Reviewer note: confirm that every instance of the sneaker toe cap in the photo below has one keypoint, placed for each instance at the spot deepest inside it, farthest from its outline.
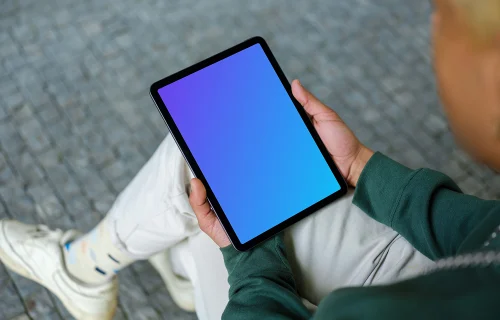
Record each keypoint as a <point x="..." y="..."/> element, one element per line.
<point x="13" y="232"/>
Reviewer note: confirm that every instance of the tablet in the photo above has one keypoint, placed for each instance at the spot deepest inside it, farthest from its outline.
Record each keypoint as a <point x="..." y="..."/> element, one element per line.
<point x="249" y="141"/>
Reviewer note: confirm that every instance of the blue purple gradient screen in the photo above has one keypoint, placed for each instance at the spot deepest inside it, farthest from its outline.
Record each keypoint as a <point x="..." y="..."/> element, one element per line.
<point x="249" y="141"/>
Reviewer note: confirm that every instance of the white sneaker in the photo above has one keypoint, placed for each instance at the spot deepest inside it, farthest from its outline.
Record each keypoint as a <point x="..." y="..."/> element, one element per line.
<point x="35" y="252"/>
<point x="181" y="290"/>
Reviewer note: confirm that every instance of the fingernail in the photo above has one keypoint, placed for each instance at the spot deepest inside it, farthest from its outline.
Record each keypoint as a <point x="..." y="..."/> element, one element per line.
<point x="298" y="81"/>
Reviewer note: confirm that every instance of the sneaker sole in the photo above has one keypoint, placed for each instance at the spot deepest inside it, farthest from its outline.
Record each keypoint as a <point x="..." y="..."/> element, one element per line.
<point x="75" y="312"/>
<point x="181" y="291"/>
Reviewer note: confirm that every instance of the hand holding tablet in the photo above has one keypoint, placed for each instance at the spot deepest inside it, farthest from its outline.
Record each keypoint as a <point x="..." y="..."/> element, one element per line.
<point x="251" y="143"/>
<point x="341" y="143"/>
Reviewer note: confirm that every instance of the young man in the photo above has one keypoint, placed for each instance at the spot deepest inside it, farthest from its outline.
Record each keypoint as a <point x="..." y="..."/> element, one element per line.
<point x="339" y="246"/>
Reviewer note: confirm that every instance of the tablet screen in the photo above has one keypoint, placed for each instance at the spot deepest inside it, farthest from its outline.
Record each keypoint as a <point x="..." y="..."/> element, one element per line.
<point x="249" y="141"/>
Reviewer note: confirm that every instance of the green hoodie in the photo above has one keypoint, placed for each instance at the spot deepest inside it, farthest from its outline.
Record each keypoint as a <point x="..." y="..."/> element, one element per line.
<point x="430" y="211"/>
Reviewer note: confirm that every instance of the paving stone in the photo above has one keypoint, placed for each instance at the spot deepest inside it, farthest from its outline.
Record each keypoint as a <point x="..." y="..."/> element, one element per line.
<point x="162" y="301"/>
<point x="23" y="113"/>
<point x="120" y="183"/>
<point x="20" y="317"/>
<point x="121" y="315"/>
<point x="12" y="102"/>
<point x="114" y="170"/>
<point x="49" y="114"/>
<point x="24" y="286"/>
<point x="64" y="223"/>
<point x="59" y="130"/>
<point x="20" y="205"/>
<point x="87" y="221"/>
<point x="63" y="181"/>
<point x="3" y="211"/>
<point x="12" y="304"/>
<point x="28" y="168"/>
<point x="49" y="208"/>
<point x="3" y="114"/>
<point x="78" y="205"/>
<point x="145" y="313"/>
<point x="34" y="135"/>
<point x="39" y="305"/>
<point x="6" y="175"/>
<point x="148" y="277"/>
<point x="104" y="203"/>
<point x="7" y="86"/>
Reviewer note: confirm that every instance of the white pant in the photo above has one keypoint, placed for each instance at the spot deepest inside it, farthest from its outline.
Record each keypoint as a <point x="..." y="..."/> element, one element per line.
<point x="337" y="246"/>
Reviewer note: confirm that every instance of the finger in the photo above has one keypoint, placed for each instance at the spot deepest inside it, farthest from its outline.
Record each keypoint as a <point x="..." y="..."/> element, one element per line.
<point x="199" y="203"/>
<point x="310" y="103"/>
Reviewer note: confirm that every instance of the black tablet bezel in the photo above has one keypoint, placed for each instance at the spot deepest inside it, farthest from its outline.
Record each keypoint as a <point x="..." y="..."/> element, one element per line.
<point x="196" y="169"/>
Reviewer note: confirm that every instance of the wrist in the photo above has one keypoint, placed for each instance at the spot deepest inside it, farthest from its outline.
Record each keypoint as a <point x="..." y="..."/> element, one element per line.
<point x="359" y="163"/>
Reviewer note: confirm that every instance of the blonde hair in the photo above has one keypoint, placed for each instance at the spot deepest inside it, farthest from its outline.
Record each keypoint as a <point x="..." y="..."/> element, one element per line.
<point x="483" y="16"/>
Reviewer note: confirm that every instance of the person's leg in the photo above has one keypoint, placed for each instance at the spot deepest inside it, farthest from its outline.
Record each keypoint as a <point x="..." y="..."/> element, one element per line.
<point x="341" y="246"/>
<point x="150" y="215"/>
<point x="153" y="212"/>
<point x="336" y="247"/>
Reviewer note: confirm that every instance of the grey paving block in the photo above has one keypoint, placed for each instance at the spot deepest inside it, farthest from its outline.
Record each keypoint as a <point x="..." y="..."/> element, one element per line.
<point x="39" y="305"/>
<point x="12" y="305"/>
<point x="102" y="156"/>
<point x="62" y="312"/>
<point x="120" y="314"/>
<point x="20" y="205"/>
<point x="162" y="302"/>
<point x="28" y="169"/>
<point x="63" y="181"/>
<point x="24" y="286"/>
<point x="12" y="102"/>
<point x="3" y="211"/>
<point x="7" y="86"/>
<point x="144" y="313"/>
<point x="114" y="170"/>
<point x="86" y="221"/>
<point x="34" y="135"/>
<point x="20" y="317"/>
<point x="148" y="277"/>
<point x="50" y="158"/>
<point x="120" y="183"/>
<point x="77" y="205"/>
<point x="49" y="114"/>
<point x="26" y="77"/>
<point x="104" y="203"/>
<point x="6" y="175"/>
<point x="49" y="208"/>
<point x="91" y="181"/>
<point x="65" y="222"/>
<point x="23" y="113"/>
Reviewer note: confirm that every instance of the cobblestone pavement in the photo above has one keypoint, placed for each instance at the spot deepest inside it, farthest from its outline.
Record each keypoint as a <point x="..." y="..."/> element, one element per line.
<point x="76" y="121"/>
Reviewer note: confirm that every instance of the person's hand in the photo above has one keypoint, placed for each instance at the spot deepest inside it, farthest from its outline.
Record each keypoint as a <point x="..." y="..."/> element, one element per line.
<point x="206" y="217"/>
<point x="349" y="154"/>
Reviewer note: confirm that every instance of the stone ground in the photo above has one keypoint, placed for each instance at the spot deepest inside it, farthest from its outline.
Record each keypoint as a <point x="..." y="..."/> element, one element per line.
<point x="76" y="120"/>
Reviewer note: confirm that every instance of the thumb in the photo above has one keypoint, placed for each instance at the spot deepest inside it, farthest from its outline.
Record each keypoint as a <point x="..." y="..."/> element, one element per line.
<point x="200" y="205"/>
<point x="310" y="103"/>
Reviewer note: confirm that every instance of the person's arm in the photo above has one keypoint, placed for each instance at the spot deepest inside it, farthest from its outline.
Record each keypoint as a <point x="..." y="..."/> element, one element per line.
<point x="424" y="206"/>
<point x="262" y="284"/>
<point x="261" y="281"/>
